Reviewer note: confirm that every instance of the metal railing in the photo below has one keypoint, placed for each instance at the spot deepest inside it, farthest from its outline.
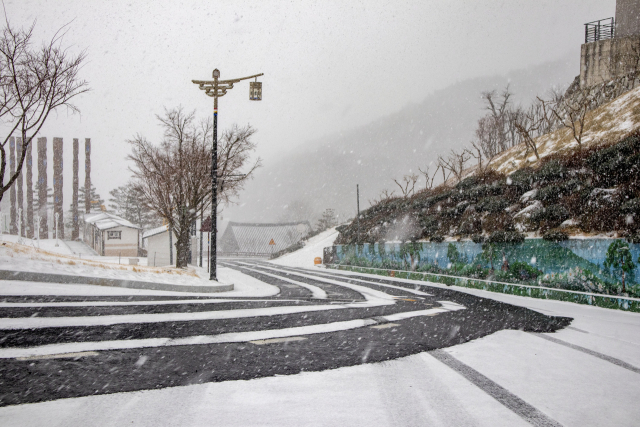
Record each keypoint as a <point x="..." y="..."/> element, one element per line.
<point x="599" y="30"/>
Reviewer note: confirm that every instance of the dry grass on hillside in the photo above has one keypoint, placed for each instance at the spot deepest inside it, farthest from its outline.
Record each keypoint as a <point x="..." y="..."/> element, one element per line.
<point x="607" y="124"/>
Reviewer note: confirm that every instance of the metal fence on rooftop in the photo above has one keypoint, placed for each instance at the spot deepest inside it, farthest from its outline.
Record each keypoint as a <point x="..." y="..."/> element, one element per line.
<point x="599" y="30"/>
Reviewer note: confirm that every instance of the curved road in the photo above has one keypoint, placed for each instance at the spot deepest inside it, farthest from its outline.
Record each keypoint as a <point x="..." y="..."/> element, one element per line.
<point x="66" y="346"/>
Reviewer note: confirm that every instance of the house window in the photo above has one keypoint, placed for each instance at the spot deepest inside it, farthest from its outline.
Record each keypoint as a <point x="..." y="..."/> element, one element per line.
<point x="114" y="235"/>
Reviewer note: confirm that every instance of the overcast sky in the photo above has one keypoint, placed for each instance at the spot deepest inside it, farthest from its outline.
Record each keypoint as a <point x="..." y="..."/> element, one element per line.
<point x="328" y="65"/>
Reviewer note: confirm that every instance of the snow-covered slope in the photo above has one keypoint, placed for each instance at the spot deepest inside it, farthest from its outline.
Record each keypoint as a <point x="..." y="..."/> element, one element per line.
<point x="304" y="257"/>
<point x="608" y="123"/>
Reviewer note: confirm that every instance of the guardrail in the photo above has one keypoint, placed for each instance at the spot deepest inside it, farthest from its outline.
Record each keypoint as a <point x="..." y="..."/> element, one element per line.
<point x="599" y="30"/>
<point x="598" y="300"/>
<point x="244" y="254"/>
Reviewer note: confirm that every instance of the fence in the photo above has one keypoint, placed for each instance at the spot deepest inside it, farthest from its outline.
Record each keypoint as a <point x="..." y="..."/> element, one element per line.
<point x="599" y="30"/>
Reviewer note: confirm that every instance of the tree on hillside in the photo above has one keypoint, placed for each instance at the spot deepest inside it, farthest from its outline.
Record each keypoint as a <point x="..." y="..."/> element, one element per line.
<point x="174" y="176"/>
<point x="327" y="220"/>
<point x="619" y="258"/>
<point x="455" y="162"/>
<point x="297" y="210"/>
<point x="408" y="185"/>
<point x="34" y="83"/>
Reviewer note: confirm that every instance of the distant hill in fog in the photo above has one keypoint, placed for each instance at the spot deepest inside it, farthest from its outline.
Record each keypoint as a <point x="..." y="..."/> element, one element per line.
<point x="324" y="173"/>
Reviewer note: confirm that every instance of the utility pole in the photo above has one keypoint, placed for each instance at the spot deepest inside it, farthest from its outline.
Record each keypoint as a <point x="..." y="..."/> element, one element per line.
<point x="216" y="88"/>
<point x="358" y="217"/>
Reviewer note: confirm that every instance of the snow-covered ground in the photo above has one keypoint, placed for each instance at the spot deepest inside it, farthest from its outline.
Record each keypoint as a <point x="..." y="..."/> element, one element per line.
<point x="584" y="375"/>
<point x="312" y="249"/>
<point x="56" y="257"/>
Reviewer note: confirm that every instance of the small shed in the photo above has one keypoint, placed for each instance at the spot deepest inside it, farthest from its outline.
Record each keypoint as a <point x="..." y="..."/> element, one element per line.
<point x="159" y="247"/>
<point x="110" y="235"/>
<point x="262" y="239"/>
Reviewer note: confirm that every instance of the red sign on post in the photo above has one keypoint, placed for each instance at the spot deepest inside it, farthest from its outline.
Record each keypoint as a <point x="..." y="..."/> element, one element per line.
<point x="272" y="242"/>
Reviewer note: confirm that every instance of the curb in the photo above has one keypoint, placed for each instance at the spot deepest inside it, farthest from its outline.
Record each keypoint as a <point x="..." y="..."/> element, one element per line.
<point x="87" y="280"/>
<point x="598" y="300"/>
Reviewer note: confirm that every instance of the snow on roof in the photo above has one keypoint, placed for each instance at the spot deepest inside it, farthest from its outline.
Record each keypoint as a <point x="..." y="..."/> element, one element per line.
<point x="155" y="231"/>
<point x="105" y="221"/>
<point x="255" y="238"/>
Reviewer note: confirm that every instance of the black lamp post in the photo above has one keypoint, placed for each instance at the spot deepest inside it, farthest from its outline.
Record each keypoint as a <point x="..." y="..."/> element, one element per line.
<point x="217" y="88"/>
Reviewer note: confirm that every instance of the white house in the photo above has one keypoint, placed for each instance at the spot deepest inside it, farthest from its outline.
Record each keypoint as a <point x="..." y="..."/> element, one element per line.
<point x="110" y="235"/>
<point x="158" y="246"/>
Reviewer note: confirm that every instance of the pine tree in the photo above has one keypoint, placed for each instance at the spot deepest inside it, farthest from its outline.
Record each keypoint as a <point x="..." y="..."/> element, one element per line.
<point x="126" y="203"/>
<point x="327" y="220"/>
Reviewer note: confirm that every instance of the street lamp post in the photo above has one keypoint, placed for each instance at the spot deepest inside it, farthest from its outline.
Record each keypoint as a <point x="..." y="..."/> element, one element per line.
<point x="216" y="88"/>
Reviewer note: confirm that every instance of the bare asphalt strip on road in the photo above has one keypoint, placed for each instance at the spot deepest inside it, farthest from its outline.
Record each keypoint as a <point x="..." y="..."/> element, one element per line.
<point x="112" y="371"/>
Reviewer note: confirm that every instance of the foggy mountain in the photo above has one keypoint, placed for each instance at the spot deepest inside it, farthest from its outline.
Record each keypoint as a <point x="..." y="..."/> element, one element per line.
<point x="323" y="173"/>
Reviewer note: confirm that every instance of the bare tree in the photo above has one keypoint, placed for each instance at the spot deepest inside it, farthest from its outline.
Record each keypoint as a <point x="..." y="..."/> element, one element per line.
<point x="572" y="112"/>
<point x="428" y="177"/>
<point x="476" y="152"/>
<point x="174" y="176"/>
<point x="33" y="83"/>
<point x="235" y="148"/>
<point x="528" y="125"/>
<point x="383" y="197"/>
<point x="489" y="136"/>
<point x="455" y="163"/>
<point x="408" y="185"/>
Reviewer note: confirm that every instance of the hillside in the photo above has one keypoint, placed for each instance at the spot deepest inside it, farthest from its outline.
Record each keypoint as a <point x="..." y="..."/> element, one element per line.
<point x="323" y="173"/>
<point x="570" y="191"/>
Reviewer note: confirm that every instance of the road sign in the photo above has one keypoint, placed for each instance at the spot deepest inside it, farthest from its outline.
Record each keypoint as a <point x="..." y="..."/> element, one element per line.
<point x="272" y="242"/>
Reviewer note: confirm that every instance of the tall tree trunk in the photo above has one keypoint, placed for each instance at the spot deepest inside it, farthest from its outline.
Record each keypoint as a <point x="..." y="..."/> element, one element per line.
<point x="182" y="246"/>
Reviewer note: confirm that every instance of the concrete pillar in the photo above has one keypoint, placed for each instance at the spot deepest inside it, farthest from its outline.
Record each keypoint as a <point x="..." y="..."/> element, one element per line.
<point x="75" y="233"/>
<point x="627" y="18"/>
<point x="13" y="225"/>
<point x="19" y="193"/>
<point x="29" y="182"/>
<point x="87" y="175"/>
<point x="58" y="207"/>
<point x="42" y="187"/>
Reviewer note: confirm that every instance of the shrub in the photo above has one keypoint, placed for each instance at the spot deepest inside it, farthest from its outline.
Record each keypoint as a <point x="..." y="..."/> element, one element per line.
<point x="631" y="207"/>
<point x="478" y="238"/>
<point x="551" y="171"/>
<point x="467" y="183"/>
<point x="492" y="204"/>
<point x="633" y="238"/>
<point x="553" y="215"/>
<point x="617" y="163"/>
<point x="555" y="236"/>
<point x="550" y="194"/>
<point x="522" y="179"/>
<point x="506" y="237"/>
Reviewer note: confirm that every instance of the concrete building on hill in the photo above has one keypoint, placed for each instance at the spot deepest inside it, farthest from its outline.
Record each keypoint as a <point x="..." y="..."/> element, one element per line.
<point x="612" y="46"/>
<point x="110" y="235"/>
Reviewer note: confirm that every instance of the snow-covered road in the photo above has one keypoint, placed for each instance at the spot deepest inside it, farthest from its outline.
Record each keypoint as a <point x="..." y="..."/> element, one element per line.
<point x="587" y="374"/>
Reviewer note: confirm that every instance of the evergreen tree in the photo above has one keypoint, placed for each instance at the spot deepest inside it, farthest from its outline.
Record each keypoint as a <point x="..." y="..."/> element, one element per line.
<point x="126" y="202"/>
<point x="327" y="220"/>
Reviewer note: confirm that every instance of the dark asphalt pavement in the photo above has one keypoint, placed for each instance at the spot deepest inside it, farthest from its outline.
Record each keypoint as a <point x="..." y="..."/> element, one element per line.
<point x="110" y="371"/>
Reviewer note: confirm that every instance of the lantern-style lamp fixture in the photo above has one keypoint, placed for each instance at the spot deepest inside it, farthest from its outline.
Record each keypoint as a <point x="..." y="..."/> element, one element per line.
<point x="255" y="90"/>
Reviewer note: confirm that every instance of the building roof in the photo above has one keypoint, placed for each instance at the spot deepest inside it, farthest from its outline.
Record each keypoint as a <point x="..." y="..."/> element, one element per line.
<point x="105" y="221"/>
<point x="155" y="231"/>
<point x="255" y="237"/>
